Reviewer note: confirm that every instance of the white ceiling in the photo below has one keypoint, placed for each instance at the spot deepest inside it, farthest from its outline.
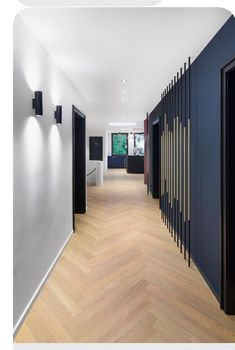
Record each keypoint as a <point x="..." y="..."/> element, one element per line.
<point x="96" y="48"/>
<point x="87" y="3"/>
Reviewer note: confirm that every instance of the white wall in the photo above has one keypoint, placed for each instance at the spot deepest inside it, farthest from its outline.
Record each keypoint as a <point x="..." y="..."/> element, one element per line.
<point x="42" y="165"/>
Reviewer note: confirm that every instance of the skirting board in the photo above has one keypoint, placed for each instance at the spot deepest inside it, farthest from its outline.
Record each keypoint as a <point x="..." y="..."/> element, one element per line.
<point x="35" y="295"/>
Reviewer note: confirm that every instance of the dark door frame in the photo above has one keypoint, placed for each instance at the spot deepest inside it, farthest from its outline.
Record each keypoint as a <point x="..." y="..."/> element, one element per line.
<point x="153" y="155"/>
<point x="227" y="236"/>
<point x="75" y="111"/>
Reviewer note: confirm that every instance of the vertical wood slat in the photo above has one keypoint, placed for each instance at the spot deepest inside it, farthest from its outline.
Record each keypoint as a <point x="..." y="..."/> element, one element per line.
<point x="175" y="159"/>
<point x="160" y="133"/>
<point x="171" y="95"/>
<point x="166" y="216"/>
<point x="170" y="110"/>
<point x="166" y="161"/>
<point x="185" y="166"/>
<point x="180" y="174"/>
<point x="164" y="155"/>
<point x="169" y="153"/>
<point x="189" y="175"/>
<point x="165" y="164"/>
<point x="177" y="177"/>
<point x="184" y="191"/>
<point x="172" y="169"/>
<point x="189" y="161"/>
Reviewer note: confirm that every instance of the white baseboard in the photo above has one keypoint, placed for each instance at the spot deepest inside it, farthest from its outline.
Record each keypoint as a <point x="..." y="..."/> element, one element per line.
<point x="43" y="281"/>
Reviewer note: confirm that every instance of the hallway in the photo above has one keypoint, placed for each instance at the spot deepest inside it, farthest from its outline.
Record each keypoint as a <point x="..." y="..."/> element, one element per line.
<point x="121" y="279"/>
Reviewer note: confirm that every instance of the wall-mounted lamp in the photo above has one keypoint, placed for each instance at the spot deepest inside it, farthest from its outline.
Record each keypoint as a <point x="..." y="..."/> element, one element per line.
<point x="58" y="114"/>
<point x="37" y="103"/>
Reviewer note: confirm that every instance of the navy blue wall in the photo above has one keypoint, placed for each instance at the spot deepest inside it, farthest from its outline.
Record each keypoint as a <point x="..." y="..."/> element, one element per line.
<point x="206" y="145"/>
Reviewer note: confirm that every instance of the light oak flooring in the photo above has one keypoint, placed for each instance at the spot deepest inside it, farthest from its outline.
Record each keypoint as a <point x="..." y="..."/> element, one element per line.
<point x="122" y="279"/>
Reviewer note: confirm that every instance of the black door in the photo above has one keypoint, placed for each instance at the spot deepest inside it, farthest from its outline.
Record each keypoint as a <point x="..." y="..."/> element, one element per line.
<point x="228" y="189"/>
<point x="79" y="163"/>
<point x="156" y="160"/>
<point x="96" y="148"/>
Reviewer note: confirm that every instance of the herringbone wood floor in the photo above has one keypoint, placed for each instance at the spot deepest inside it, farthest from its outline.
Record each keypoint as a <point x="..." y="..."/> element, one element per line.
<point x="122" y="279"/>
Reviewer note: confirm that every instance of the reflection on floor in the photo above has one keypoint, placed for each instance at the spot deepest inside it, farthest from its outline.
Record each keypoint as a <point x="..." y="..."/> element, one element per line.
<point x="121" y="279"/>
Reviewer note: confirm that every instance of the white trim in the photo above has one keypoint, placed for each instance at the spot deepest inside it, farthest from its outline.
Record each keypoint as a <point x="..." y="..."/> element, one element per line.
<point x="32" y="300"/>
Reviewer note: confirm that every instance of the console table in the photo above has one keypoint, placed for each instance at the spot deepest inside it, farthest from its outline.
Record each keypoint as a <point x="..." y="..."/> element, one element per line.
<point x="135" y="164"/>
<point x="116" y="162"/>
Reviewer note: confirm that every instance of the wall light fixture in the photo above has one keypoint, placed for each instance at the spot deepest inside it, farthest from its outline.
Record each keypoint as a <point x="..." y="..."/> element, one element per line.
<point x="58" y="114"/>
<point x="38" y="103"/>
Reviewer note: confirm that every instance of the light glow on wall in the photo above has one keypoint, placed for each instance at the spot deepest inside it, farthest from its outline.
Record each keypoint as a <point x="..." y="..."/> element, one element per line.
<point x="32" y="159"/>
<point x="55" y="149"/>
<point x="32" y="69"/>
<point x="32" y="145"/>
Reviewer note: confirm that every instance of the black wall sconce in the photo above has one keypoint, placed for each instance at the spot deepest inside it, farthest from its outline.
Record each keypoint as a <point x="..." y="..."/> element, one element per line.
<point x="58" y="114"/>
<point x="37" y="103"/>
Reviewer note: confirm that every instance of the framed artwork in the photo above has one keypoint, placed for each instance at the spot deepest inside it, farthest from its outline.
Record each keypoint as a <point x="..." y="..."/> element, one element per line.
<point x="119" y="144"/>
<point x="139" y="143"/>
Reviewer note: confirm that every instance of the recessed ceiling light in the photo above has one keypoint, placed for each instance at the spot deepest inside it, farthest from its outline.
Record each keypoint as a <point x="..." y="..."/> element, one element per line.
<point x="124" y="81"/>
<point x="123" y="91"/>
<point x="123" y="99"/>
<point x="122" y="124"/>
